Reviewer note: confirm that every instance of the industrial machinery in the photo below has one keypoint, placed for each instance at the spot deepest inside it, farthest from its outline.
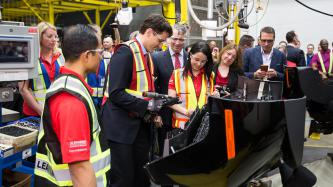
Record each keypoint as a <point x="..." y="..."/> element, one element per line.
<point x="19" y="53"/>
<point x="238" y="138"/>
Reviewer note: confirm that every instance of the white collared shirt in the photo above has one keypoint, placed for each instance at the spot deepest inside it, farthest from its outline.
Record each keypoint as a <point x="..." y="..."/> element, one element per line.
<point x="181" y="57"/>
<point x="266" y="58"/>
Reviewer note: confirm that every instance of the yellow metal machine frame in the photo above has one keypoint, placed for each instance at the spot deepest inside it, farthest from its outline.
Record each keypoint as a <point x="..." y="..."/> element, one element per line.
<point x="45" y="10"/>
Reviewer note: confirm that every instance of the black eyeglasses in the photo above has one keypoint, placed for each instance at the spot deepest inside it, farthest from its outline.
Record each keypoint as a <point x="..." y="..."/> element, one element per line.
<point x="161" y="40"/>
<point x="267" y="41"/>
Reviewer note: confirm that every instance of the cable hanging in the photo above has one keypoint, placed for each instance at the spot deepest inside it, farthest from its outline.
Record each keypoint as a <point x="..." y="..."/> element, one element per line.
<point x="327" y="14"/>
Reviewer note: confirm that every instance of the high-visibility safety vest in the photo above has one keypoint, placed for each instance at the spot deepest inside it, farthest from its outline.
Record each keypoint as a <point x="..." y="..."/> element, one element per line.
<point x="49" y="168"/>
<point x="186" y="92"/>
<point x="96" y="81"/>
<point x="43" y="81"/>
<point x="144" y="80"/>
<point x="323" y="65"/>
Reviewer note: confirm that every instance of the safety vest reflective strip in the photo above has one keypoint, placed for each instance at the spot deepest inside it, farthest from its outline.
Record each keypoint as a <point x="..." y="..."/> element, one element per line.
<point x="186" y="91"/>
<point x="141" y="76"/>
<point x="39" y="85"/>
<point x="323" y="65"/>
<point x="98" y="90"/>
<point x="59" y="173"/>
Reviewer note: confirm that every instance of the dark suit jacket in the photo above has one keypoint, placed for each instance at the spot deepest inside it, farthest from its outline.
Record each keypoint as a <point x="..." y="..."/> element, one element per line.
<point x="122" y="114"/>
<point x="163" y="70"/>
<point x="295" y="55"/>
<point x="252" y="60"/>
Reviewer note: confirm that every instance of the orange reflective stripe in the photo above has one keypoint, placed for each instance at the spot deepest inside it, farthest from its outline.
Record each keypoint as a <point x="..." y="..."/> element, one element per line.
<point x="287" y="78"/>
<point x="229" y="132"/>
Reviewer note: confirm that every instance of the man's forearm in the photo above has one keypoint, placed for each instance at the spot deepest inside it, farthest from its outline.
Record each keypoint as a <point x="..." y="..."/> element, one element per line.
<point x="82" y="174"/>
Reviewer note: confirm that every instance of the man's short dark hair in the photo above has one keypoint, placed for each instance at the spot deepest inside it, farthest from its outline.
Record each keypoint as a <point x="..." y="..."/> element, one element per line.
<point x="290" y="36"/>
<point x="268" y="30"/>
<point x="158" y="23"/>
<point x="78" y="39"/>
<point x="246" y="40"/>
<point x="312" y="45"/>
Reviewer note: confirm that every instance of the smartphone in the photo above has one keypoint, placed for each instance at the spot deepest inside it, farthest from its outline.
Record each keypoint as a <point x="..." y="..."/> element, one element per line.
<point x="264" y="67"/>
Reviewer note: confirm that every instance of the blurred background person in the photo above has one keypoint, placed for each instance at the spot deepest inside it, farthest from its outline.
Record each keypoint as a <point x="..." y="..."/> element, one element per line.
<point x="295" y="56"/>
<point x="282" y="49"/>
<point x="107" y="47"/>
<point x="215" y="55"/>
<point x="245" y="42"/>
<point x="212" y="44"/>
<point x="50" y="61"/>
<point x="193" y="84"/>
<point x="309" y="53"/>
<point x="323" y="60"/>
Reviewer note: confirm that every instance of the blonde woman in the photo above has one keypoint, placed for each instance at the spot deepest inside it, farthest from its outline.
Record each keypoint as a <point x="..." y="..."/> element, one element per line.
<point x="227" y="70"/>
<point x="49" y="63"/>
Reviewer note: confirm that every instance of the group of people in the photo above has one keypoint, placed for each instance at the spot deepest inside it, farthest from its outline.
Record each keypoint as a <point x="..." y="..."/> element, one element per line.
<point x="92" y="105"/>
<point x="296" y="57"/>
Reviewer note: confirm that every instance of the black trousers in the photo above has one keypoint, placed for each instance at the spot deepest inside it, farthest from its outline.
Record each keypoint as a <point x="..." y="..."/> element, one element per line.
<point x="127" y="161"/>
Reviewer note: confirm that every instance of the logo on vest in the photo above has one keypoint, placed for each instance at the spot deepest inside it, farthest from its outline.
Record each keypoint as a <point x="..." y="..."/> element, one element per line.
<point x="42" y="165"/>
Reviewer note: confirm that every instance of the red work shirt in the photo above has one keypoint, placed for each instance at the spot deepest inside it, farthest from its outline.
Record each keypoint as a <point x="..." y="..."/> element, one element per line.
<point x="70" y="123"/>
<point x="51" y="70"/>
<point x="197" y="82"/>
<point x="220" y="80"/>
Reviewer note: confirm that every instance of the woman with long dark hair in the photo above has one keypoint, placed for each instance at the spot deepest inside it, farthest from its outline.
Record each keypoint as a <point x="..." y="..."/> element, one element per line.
<point x="192" y="84"/>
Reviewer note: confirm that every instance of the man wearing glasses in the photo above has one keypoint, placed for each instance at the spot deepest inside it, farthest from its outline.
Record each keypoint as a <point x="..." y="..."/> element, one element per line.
<point x="266" y="56"/>
<point x="165" y="62"/>
<point x="71" y="150"/>
<point x="123" y="109"/>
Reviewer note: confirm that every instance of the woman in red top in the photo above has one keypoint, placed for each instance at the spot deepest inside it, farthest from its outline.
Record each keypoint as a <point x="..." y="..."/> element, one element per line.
<point x="192" y="84"/>
<point x="227" y="70"/>
<point x="50" y="60"/>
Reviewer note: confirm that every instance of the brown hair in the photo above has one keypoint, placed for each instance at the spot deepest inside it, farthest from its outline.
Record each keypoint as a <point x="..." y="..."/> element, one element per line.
<point x="227" y="48"/>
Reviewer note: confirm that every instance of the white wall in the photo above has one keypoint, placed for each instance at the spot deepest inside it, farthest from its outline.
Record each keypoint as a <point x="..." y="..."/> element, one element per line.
<point x="286" y="15"/>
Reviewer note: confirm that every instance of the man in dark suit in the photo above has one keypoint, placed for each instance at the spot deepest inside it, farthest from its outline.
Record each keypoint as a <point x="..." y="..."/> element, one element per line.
<point x="264" y="54"/>
<point x="124" y="114"/>
<point x="165" y="62"/>
<point x="295" y="56"/>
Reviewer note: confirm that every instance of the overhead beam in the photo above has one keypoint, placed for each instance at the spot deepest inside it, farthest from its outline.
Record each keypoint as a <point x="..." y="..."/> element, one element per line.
<point x="87" y="17"/>
<point x="51" y="13"/>
<point x="107" y="19"/>
<point x="97" y="17"/>
<point x="33" y="10"/>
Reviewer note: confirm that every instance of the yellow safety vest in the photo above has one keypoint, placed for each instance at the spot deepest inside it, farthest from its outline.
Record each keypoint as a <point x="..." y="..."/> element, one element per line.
<point x="186" y="92"/>
<point x="141" y="76"/>
<point x="323" y="65"/>
<point x="39" y="85"/>
<point x="48" y="165"/>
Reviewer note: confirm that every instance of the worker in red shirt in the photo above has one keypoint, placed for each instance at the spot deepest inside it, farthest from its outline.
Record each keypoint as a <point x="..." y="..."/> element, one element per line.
<point x="49" y="63"/>
<point x="192" y="84"/>
<point x="70" y="150"/>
